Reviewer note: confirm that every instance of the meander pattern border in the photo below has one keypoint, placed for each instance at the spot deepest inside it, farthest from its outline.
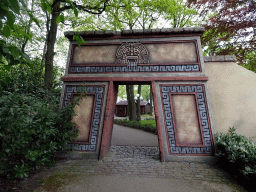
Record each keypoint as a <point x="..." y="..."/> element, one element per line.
<point x="199" y="91"/>
<point x="99" y="91"/>
<point x="152" y="68"/>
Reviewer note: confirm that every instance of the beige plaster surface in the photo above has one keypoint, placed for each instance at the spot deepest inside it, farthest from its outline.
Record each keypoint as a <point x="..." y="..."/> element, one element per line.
<point x="158" y="53"/>
<point x="172" y="52"/>
<point x="232" y="90"/>
<point x="186" y="120"/>
<point x="83" y="117"/>
<point x="94" y="54"/>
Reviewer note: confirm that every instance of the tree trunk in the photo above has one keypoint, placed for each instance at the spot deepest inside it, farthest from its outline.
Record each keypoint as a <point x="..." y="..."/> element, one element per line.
<point x="138" y="104"/>
<point x="151" y="102"/>
<point x="131" y="103"/>
<point x="51" y="38"/>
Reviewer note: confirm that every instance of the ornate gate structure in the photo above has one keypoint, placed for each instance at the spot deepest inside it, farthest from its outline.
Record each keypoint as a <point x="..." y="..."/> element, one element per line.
<point x="170" y="60"/>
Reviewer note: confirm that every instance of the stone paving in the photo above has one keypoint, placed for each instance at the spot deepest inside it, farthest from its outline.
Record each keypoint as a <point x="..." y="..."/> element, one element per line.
<point x="130" y="168"/>
<point x="144" y="162"/>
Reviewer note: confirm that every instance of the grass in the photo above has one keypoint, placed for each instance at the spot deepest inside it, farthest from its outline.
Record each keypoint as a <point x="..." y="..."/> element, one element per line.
<point x="55" y="181"/>
<point x="148" y="125"/>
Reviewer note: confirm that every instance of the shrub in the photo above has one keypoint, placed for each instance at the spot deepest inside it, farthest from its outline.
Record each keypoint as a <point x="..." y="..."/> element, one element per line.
<point x="148" y="125"/>
<point x="31" y="131"/>
<point x="238" y="152"/>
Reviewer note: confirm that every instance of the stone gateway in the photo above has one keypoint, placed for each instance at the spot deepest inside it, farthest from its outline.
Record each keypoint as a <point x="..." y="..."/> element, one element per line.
<point x="170" y="60"/>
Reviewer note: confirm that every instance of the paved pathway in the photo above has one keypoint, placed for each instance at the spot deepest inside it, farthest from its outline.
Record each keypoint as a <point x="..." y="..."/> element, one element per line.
<point x="130" y="136"/>
<point x="133" y="168"/>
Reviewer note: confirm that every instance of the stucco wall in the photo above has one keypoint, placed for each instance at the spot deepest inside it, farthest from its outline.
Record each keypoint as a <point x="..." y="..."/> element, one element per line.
<point x="232" y="91"/>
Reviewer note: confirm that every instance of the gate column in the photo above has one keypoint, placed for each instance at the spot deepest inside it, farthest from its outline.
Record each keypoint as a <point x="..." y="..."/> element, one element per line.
<point x="108" y="120"/>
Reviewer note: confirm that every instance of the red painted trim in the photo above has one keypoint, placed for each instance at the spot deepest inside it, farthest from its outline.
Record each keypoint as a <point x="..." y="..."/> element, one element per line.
<point x="208" y="119"/>
<point x="209" y="123"/>
<point x="108" y="121"/>
<point x="178" y="144"/>
<point x="158" y="123"/>
<point x="135" y="80"/>
<point x="71" y="57"/>
<point x="90" y="130"/>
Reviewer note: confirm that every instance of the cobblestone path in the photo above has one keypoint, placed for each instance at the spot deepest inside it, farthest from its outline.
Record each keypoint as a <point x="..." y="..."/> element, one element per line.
<point x="130" y="168"/>
<point x="144" y="162"/>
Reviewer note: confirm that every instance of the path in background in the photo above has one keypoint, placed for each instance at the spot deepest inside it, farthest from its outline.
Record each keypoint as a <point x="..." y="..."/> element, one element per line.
<point x="133" y="137"/>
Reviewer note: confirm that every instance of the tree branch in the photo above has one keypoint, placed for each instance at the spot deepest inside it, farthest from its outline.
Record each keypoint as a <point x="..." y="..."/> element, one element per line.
<point x="86" y="8"/>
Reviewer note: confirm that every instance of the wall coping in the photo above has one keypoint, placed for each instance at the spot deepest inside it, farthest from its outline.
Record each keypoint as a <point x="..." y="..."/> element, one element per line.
<point x="220" y="58"/>
<point x="135" y="32"/>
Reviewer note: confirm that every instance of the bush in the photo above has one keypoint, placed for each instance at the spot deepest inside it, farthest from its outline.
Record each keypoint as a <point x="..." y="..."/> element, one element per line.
<point x="148" y="125"/>
<point x="31" y="131"/>
<point x="238" y="153"/>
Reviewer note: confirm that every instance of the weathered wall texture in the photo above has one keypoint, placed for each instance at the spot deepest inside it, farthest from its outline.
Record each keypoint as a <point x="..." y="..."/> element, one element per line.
<point x="186" y="119"/>
<point x="159" y="53"/>
<point x="232" y="90"/>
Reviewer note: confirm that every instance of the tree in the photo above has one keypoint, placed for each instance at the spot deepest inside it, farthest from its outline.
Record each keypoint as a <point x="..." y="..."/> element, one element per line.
<point x="138" y="103"/>
<point x="230" y="28"/>
<point x="122" y="91"/>
<point x="54" y="11"/>
<point x="176" y="12"/>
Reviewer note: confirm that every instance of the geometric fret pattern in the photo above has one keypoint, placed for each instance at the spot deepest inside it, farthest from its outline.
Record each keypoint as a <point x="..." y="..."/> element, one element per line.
<point x="198" y="90"/>
<point x="99" y="91"/>
<point x="152" y="68"/>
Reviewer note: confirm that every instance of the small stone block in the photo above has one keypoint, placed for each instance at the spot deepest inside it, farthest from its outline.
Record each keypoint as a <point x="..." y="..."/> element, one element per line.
<point x="207" y="58"/>
<point x="166" y="30"/>
<point x="156" y="30"/>
<point x="118" y="33"/>
<point x="99" y="32"/>
<point x="126" y="32"/>
<point x="137" y="31"/>
<point x="199" y="29"/>
<point x="147" y="31"/>
<point x="218" y="58"/>
<point x="230" y="58"/>
<point x="178" y="29"/>
<point x="69" y="33"/>
<point x="189" y="29"/>
<point x="87" y="33"/>
<point x="109" y="32"/>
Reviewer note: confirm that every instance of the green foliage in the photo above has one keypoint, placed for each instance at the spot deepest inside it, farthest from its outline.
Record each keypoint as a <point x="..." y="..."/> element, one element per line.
<point x="238" y="152"/>
<point x="122" y="92"/>
<point x="148" y="125"/>
<point x="31" y="132"/>
<point x="139" y="14"/>
<point x="176" y="12"/>
<point x="145" y="92"/>
<point x="9" y="54"/>
<point x="32" y="128"/>
<point x="248" y="60"/>
<point x="78" y="39"/>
